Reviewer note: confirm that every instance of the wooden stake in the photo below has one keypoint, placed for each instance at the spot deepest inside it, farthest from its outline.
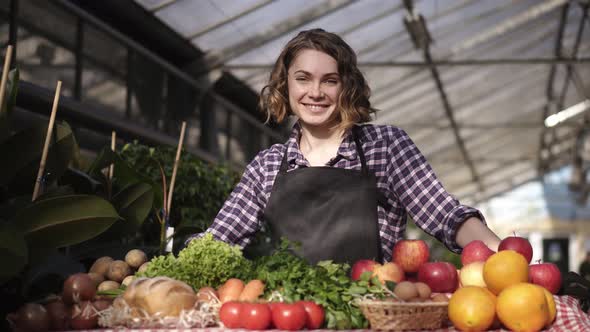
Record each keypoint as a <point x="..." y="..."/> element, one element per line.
<point x="5" y="71"/>
<point x="113" y="142"/>
<point x="47" y="140"/>
<point x="174" y="170"/>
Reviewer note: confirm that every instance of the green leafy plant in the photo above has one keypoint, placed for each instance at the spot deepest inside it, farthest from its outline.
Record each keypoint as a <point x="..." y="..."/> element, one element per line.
<point x="73" y="209"/>
<point x="200" y="187"/>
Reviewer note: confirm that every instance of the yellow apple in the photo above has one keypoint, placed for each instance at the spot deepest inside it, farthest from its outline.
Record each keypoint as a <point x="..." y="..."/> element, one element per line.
<point x="472" y="274"/>
<point x="388" y="271"/>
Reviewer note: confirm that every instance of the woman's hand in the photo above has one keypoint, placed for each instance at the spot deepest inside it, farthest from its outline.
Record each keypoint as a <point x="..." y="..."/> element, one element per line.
<point x="473" y="229"/>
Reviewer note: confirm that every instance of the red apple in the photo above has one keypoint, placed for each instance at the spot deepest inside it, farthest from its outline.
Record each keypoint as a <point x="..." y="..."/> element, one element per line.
<point x="410" y="254"/>
<point x="388" y="271"/>
<point x="475" y="251"/>
<point x="441" y="277"/>
<point x="546" y="275"/>
<point x="361" y="266"/>
<point x="518" y="244"/>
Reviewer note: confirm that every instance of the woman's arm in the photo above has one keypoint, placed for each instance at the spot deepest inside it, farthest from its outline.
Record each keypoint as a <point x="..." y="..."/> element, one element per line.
<point x="473" y="229"/>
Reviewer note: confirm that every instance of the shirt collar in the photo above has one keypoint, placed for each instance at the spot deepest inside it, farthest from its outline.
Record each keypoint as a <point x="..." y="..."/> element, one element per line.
<point x="347" y="149"/>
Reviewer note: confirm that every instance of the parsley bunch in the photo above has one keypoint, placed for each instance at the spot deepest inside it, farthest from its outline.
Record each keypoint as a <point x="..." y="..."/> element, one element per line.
<point x="327" y="284"/>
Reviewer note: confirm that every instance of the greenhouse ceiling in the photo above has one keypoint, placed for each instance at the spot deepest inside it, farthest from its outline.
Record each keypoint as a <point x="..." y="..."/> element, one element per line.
<point x="474" y="99"/>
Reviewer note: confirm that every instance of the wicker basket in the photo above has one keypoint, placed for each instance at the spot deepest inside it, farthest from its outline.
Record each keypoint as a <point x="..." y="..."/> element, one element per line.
<point x="399" y="316"/>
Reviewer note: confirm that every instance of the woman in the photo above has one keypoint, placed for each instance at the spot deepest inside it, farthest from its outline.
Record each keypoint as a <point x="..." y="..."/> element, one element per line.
<point x="322" y="187"/>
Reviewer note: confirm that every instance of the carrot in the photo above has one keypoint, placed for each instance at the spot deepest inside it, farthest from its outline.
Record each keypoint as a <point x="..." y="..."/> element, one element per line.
<point x="230" y="290"/>
<point x="252" y="290"/>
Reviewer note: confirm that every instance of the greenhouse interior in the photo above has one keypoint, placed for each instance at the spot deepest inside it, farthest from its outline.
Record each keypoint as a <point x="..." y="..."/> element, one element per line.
<point x="408" y="138"/>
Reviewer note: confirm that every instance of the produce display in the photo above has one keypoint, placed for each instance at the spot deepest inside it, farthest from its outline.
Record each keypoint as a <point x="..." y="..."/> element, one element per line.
<point x="210" y="283"/>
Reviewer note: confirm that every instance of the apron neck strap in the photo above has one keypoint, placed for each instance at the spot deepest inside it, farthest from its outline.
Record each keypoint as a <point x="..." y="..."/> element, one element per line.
<point x="359" y="150"/>
<point x="284" y="164"/>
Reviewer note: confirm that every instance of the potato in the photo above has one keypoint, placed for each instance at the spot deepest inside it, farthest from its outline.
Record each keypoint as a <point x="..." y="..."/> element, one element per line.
<point x="97" y="278"/>
<point x="128" y="280"/>
<point x="135" y="258"/>
<point x="101" y="266"/>
<point x="108" y="285"/>
<point x="118" y="270"/>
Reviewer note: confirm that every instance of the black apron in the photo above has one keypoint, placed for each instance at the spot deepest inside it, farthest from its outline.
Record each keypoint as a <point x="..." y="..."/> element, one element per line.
<point x="331" y="211"/>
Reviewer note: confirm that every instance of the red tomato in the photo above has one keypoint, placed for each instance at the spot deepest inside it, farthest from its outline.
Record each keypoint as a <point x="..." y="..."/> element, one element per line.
<point x="255" y="316"/>
<point x="229" y="314"/>
<point x="288" y="316"/>
<point x="315" y="314"/>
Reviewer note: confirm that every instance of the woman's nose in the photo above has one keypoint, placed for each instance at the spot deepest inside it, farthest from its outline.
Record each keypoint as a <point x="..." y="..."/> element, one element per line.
<point x="315" y="91"/>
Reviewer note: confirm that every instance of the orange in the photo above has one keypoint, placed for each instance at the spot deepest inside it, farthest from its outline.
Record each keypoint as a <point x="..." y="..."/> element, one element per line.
<point x="551" y="306"/>
<point x="523" y="308"/>
<point x="472" y="308"/>
<point x="503" y="269"/>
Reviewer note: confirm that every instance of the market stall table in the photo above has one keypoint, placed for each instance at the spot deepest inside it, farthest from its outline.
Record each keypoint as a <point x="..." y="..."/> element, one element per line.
<point x="570" y="318"/>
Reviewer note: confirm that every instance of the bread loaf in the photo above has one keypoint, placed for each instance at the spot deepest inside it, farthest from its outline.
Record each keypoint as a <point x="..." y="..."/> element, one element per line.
<point x="161" y="296"/>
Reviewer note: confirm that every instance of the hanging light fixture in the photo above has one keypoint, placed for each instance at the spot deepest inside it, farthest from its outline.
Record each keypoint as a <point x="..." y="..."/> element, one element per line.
<point x="416" y="26"/>
<point x="567" y="113"/>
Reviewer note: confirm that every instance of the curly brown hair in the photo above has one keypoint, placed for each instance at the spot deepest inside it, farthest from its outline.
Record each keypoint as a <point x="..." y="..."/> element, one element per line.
<point x="353" y="102"/>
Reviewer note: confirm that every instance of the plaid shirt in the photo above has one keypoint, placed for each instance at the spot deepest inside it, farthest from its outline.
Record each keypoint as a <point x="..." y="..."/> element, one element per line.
<point x="403" y="176"/>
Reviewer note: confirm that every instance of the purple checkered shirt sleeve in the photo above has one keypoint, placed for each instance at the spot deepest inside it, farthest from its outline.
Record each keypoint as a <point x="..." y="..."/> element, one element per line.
<point x="238" y="218"/>
<point x="426" y="201"/>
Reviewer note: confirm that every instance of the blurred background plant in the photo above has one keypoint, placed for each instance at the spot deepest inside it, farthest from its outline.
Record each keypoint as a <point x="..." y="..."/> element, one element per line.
<point x="199" y="191"/>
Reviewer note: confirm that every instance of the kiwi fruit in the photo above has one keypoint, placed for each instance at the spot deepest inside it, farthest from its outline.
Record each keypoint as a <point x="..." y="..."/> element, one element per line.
<point x="405" y="290"/>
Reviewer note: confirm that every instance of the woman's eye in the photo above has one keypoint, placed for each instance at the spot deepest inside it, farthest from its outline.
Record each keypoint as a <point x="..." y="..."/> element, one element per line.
<point x="302" y="79"/>
<point x="332" y="82"/>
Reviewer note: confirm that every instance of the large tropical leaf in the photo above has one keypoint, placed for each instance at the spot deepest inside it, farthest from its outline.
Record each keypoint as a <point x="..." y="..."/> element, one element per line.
<point x="61" y="221"/>
<point x="13" y="253"/>
<point x="81" y="182"/>
<point x="9" y="102"/>
<point x="133" y="203"/>
<point x="25" y="149"/>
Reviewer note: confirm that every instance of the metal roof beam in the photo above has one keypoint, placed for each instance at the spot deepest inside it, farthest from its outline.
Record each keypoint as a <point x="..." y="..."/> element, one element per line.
<point x="450" y="114"/>
<point x="481" y="96"/>
<point x="227" y="20"/>
<point x="401" y="33"/>
<point x="445" y="63"/>
<point x="473" y="125"/>
<point x="509" y="24"/>
<point x="557" y="164"/>
<point x="480" y="196"/>
<point x="581" y="88"/>
<point x="161" y="5"/>
<point x="276" y="31"/>
<point x="564" y="153"/>
<point x="559" y="104"/>
<point x="499" y="89"/>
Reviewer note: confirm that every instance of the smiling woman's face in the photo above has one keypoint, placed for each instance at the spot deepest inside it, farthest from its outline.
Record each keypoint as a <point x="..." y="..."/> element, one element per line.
<point x="314" y="86"/>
